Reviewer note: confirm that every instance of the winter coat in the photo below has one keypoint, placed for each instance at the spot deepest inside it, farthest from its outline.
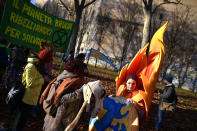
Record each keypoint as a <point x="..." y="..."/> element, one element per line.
<point x="66" y="112"/>
<point x="34" y="81"/>
<point x="18" y="58"/>
<point x="3" y="56"/>
<point x="169" y="94"/>
<point x="3" y="60"/>
<point x="67" y="85"/>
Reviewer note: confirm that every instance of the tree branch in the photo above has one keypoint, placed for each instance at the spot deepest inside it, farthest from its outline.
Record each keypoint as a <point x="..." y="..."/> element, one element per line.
<point x="77" y="6"/>
<point x="167" y="2"/>
<point x="145" y="3"/>
<point x="62" y="3"/>
<point x="89" y="3"/>
<point x="150" y="2"/>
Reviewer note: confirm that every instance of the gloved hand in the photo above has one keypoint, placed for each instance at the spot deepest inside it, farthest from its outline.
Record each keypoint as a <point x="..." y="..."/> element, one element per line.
<point x="112" y="95"/>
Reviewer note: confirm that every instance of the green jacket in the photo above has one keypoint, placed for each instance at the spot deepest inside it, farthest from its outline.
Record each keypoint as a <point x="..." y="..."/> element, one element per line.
<point x="34" y="81"/>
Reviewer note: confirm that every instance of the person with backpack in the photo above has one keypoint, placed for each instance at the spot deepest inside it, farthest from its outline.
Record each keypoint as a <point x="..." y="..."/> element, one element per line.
<point x="71" y="79"/>
<point x="17" y="61"/>
<point x="168" y="101"/>
<point x="33" y="79"/>
<point x="47" y="74"/>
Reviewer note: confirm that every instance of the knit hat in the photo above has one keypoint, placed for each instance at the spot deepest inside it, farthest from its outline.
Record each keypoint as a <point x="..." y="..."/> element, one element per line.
<point x="169" y="78"/>
<point x="81" y="56"/>
<point x="45" y="56"/>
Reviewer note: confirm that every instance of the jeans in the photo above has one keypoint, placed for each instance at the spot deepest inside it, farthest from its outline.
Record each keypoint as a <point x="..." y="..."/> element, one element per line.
<point x="1" y="77"/>
<point x="36" y="108"/>
<point x="22" y="116"/>
<point x="159" y="118"/>
<point x="13" y="71"/>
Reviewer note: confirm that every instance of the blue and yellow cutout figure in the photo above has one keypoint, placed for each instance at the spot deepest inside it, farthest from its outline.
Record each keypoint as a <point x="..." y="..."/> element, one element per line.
<point x="117" y="115"/>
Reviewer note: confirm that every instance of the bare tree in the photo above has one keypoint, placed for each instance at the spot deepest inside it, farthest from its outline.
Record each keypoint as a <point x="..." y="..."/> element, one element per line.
<point x="52" y="8"/>
<point x="79" y="6"/>
<point x="129" y="14"/>
<point x="123" y="28"/>
<point x="180" y="43"/>
<point x="87" y="18"/>
<point x="116" y="27"/>
<point x="103" y="22"/>
<point x="148" y="13"/>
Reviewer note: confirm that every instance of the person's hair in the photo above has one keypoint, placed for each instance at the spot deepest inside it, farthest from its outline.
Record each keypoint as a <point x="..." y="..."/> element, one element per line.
<point x="71" y="52"/>
<point x="80" y="56"/>
<point x="169" y="78"/>
<point x="132" y="76"/>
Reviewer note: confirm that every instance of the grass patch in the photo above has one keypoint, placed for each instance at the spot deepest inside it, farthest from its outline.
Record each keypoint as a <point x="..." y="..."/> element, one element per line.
<point x="183" y="91"/>
<point x="103" y="71"/>
<point x="178" y="91"/>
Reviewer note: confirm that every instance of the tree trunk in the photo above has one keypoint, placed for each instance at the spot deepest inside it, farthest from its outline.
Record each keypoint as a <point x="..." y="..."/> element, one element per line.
<point x="166" y="65"/>
<point x="182" y="80"/>
<point x="121" y="61"/>
<point x="79" y="42"/>
<point x="88" y="56"/>
<point x="73" y="38"/>
<point x="106" y="65"/>
<point x="194" y="83"/>
<point x="95" y="62"/>
<point x="164" y="70"/>
<point x="147" y="24"/>
<point x="79" y="7"/>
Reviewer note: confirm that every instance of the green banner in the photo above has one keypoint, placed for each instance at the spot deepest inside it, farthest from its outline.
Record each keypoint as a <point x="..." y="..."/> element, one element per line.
<point x="26" y="25"/>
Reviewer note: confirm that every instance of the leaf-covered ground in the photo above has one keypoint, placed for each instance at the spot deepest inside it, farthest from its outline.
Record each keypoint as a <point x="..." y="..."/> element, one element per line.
<point x="183" y="119"/>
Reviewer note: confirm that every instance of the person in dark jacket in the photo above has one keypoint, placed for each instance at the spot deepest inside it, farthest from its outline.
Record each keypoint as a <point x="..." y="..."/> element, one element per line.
<point x="18" y="60"/>
<point x="3" y="57"/>
<point x="71" y="79"/>
<point x="168" y="95"/>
